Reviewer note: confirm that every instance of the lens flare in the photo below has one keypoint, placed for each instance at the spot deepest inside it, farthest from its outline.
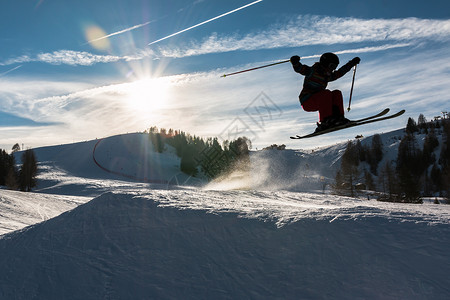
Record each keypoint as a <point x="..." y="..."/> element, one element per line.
<point x="94" y="36"/>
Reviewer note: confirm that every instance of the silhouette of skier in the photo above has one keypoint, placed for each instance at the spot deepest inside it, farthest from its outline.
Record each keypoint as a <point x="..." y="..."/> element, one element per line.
<point x="315" y="96"/>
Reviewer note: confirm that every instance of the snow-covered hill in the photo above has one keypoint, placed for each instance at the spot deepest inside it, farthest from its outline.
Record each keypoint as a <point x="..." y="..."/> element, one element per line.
<point x="18" y="210"/>
<point x="125" y="246"/>
<point x="141" y="237"/>
<point x="90" y="168"/>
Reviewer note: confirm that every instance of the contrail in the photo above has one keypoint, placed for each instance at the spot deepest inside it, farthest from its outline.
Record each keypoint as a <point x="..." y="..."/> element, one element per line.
<point x="136" y="26"/>
<point x="120" y="32"/>
<point x="13" y="69"/>
<point x="202" y="23"/>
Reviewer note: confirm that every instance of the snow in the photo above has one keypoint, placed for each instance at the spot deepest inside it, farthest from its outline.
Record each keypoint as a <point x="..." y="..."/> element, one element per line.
<point x="18" y="210"/>
<point x="121" y="229"/>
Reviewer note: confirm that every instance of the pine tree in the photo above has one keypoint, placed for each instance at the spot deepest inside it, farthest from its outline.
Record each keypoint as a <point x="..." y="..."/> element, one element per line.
<point x="28" y="171"/>
<point x="436" y="178"/>
<point x="349" y="166"/>
<point x="16" y="148"/>
<point x="370" y="185"/>
<point x="388" y="181"/>
<point x="3" y="166"/>
<point x="445" y="158"/>
<point x="409" y="167"/>
<point x="195" y="152"/>
<point x="362" y="151"/>
<point x="422" y="122"/>
<point x="376" y="153"/>
<point x="430" y="144"/>
<point x="157" y="141"/>
<point x="240" y="148"/>
<point x="411" y="126"/>
<point x="6" y="164"/>
<point x="188" y="164"/>
<point x="338" y="182"/>
<point x="11" y="179"/>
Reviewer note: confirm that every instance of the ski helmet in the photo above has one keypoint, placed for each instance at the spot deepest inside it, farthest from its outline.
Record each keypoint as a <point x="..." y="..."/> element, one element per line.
<point x="329" y="60"/>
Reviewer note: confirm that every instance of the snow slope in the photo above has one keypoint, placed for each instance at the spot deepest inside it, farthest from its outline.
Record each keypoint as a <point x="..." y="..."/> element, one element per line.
<point x="124" y="246"/>
<point x="152" y="240"/>
<point x="18" y="210"/>
<point x="92" y="167"/>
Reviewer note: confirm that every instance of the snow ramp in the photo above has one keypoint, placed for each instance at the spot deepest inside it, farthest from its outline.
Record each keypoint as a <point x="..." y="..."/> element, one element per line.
<point x="127" y="246"/>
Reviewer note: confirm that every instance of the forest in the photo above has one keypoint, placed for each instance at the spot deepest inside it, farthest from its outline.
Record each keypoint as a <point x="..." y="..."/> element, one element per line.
<point x="417" y="171"/>
<point x="22" y="178"/>
<point x="209" y="156"/>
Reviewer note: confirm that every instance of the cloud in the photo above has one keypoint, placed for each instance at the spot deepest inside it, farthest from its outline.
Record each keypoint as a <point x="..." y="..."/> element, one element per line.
<point x="11" y="120"/>
<point x="299" y="32"/>
<point x="16" y="60"/>
<point x="317" y="30"/>
<point x="76" y="58"/>
<point x="398" y="80"/>
<point x="205" y="104"/>
<point x="69" y="57"/>
<point x="74" y="109"/>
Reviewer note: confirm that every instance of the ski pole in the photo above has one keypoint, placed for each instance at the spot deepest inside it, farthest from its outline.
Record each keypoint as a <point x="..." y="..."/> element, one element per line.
<point x="351" y="90"/>
<point x="269" y="65"/>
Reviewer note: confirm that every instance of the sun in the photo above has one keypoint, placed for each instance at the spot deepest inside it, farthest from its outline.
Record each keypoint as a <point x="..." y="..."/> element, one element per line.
<point x="148" y="94"/>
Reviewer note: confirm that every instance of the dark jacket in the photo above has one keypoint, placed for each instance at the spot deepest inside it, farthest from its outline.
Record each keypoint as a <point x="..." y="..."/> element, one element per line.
<point x="316" y="78"/>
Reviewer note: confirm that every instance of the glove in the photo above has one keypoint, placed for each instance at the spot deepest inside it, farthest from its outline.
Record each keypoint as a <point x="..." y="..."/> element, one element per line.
<point x="295" y="59"/>
<point x="355" y="61"/>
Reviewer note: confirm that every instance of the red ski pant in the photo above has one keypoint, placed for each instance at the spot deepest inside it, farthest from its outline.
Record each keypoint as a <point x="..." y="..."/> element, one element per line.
<point x="323" y="102"/>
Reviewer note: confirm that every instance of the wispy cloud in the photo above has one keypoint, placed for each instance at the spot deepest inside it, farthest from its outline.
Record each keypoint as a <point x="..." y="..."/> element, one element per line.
<point x="11" y="120"/>
<point x="69" y="57"/>
<point x="205" y="104"/>
<point x="316" y="30"/>
<point x="76" y="58"/>
<point x="364" y="49"/>
<point x="76" y="108"/>
<point x="299" y="32"/>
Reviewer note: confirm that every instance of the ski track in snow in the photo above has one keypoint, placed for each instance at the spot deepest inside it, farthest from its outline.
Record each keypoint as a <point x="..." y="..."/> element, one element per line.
<point x="18" y="210"/>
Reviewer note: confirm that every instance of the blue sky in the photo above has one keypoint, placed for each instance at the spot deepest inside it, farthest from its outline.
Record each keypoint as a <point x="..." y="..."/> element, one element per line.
<point x="62" y="80"/>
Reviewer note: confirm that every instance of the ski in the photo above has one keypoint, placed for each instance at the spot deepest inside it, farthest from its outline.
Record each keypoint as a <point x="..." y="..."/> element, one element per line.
<point x="376" y="118"/>
<point x="382" y="113"/>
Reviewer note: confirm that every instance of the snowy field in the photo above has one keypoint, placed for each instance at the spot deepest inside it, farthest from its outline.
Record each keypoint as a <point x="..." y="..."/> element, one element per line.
<point x="107" y="222"/>
<point x="18" y="210"/>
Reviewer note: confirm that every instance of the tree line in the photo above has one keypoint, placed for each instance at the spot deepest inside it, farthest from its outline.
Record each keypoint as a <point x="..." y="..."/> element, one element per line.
<point x="21" y="178"/>
<point x="415" y="172"/>
<point x="209" y="156"/>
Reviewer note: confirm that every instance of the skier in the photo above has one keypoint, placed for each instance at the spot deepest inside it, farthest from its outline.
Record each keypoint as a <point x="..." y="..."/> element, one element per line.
<point x="315" y="96"/>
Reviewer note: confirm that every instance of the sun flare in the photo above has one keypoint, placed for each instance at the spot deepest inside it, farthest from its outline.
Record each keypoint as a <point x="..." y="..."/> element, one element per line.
<point x="148" y="94"/>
